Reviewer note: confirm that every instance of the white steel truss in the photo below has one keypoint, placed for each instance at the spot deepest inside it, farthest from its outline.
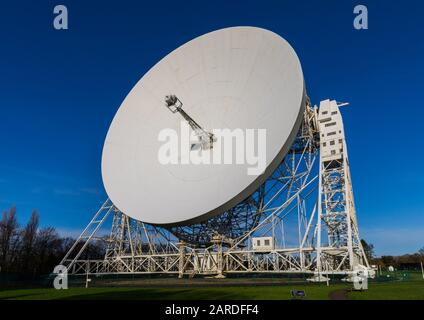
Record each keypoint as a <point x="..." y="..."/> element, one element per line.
<point x="309" y="195"/>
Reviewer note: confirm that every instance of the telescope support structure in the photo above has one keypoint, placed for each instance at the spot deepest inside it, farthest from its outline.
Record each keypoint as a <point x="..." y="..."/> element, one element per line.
<point x="305" y="222"/>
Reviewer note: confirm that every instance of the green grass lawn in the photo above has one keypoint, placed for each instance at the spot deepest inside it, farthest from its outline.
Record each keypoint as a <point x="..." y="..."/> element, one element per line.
<point x="317" y="292"/>
<point x="405" y="290"/>
<point x="411" y="289"/>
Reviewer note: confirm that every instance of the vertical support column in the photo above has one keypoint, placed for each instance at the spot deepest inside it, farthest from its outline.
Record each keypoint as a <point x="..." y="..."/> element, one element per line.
<point x="181" y="264"/>
<point x="220" y="261"/>
<point x="217" y="240"/>
<point x="299" y="230"/>
<point x="348" y="208"/>
<point x="319" y="217"/>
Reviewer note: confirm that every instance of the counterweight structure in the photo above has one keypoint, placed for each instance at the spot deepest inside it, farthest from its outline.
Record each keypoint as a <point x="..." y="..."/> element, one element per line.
<point x="301" y="220"/>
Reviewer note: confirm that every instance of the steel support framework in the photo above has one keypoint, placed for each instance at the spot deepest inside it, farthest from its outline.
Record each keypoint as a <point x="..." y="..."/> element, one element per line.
<point x="303" y="200"/>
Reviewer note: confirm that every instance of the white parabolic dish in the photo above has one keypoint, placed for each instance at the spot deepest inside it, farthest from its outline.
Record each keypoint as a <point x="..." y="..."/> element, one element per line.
<point x="240" y="77"/>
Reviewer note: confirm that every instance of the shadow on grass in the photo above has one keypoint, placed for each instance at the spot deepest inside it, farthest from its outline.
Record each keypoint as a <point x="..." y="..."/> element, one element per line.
<point x="155" y="294"/>
<point x="17" y="296"/>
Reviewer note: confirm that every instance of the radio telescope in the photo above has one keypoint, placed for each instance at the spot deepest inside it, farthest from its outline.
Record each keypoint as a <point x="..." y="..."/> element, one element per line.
<point x="232" y="78"/>
<point x="191" y="218"/>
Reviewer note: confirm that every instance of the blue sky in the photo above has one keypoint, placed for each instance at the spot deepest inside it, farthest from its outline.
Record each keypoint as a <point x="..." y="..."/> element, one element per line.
<point x="60" y="89"/>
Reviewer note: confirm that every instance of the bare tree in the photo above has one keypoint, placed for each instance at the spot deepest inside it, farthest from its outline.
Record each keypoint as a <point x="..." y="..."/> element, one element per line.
<point x="9" y="237"/>
<point x="32" y="251"/>
<point x="368" y="249"/>
<point x="28" y="240"/>
<point x="48" y="249"/>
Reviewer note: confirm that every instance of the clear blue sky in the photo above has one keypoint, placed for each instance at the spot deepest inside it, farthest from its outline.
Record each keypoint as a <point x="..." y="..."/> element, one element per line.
<point x="60" y="89"/>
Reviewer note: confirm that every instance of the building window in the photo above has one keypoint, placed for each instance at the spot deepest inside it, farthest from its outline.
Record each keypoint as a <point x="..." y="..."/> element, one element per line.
<point x="334" y="112"/>
<point x="340" y="140"/>
<point x="330" y="124"/>
<point x="324" y="144"/>
<point x="333" y="152"/>
<point x="332" y="143"/>
<point x="258" y="243"/>
<point x="331" y="133"/>
<point x="325" y="112"/>
<point x="266" y="242"/>
<point x="325" y="120"/>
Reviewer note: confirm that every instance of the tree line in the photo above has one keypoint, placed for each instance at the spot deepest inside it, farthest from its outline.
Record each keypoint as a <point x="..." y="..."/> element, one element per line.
<point x="406" y="261"/>
<point x="31" y="250"/>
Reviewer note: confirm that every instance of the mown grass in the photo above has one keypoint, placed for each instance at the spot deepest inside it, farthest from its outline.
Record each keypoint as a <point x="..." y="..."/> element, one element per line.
<point x="404" y="290"/>
<point x="314" y="292"/>
<point x="410" y="288"/>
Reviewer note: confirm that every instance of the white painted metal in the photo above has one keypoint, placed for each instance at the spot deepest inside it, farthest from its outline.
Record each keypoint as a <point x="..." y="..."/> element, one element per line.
<point x="263" y="243"/>
<point x="232" y="78"/>
<point x="360" y="278"/>
<point x="241" y="77"/>
<point x="139" y="248"/>
<point x="337" y="213"/>
<point x="88" y="234"/>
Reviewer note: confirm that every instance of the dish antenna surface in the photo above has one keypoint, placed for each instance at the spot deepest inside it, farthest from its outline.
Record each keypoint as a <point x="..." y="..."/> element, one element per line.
<point x="233" y="78"/>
